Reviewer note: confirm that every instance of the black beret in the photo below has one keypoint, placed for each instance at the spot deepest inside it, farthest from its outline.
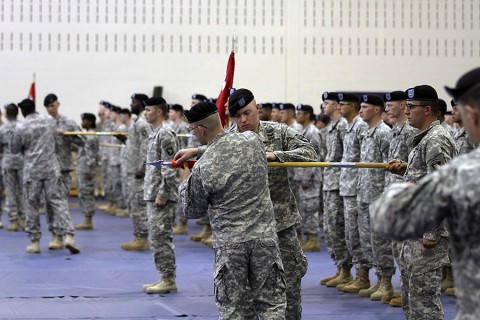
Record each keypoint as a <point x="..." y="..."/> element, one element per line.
<point x="139" y="96"/>
<point x="468" y="81"/>
<point x="305" y="108"/>
<point x="423" y="92"/>
<point x="106" y="104"/>
<point x="175" y="107"/>
<point x="116" y="109"/>
<point x="200" y="111"/>
<point x="265" y="106"/>
<point x="125" y="111"/>
<point x="197" y="96"/>
<point x="230" y="91"/>
<point x="50" y="98"/>
<point x="26" y="103"/>
<point x="11" y="106"/>
<point x="442" y="106"/>
<point x="394" y="96"/>
<point x="276" y="105"/>
<point x="373" y="99"/>
<point x="329" y="96"/>
<point x="239" y="100"/>
<point x="348" y="97"/>
<point x="454" y="102"/>
<point x="287" y="106"/>
<point x="212" y="100"/>
<point x="88" y="116"/>
<point x="155" y="101"/>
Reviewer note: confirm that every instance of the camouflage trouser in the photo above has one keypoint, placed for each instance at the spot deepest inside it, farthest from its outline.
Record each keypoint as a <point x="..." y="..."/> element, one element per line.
<point x="179" y="212"/>
<point x="160" y="234"/>
<point x="14" y="204"/>
<point x="124" y="182"/>
<point x="104" y="175"/>
<point x="320" y="203"/>
<point x="64" y="184"/>
<point x="334" y="228"/>
<point x="383" y="254"/>
<point x="308" y="207"/>
<point x="365" y="233"/>
<point x="137" y="207"/>
<point x="421" y="295"/>
<point x="352" y="235"/>
<point x="249" y="280"/>
<point x="86" y="195"/>
<point x="61" y="222"/>
<point x="115" y="194"/>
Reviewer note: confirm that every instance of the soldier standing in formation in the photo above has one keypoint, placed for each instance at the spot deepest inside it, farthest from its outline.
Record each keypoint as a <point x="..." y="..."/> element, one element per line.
<point x="161" y="194"/>
<point x="229" y="182"/>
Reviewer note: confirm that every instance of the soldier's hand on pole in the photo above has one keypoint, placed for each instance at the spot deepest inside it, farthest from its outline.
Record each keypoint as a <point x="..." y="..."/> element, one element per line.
<point x="184" y="172"/>
<point x="428" y="244"/>
<point x="271" y="157"/>
<point x="159" y="203"/>
<point x="122" y="138"/>
<point x="185" y="154"/>
<point x="395" y="166"/>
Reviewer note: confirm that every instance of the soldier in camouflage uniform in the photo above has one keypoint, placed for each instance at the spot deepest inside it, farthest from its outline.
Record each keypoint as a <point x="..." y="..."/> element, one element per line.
<point x="105" y="125"/>
<point x="407" y="211"/>
<point x="12" y="165"/>
<point x="126" y="117"/>
<point x="462" y="141"/>
<point x="63" y="148"/>
<point x="282" y="144"/>
<point x="87" y="172"/>
<point x="309" y="181"/>
<point x="400" y="140"/>
<point x="135" y="157"/>
<point x="349" y="107"/>
<point x="333" y="219"/>
<point x="229" y="182"/>
<point x="41" y="173"/>
<point x="161" y="194"/>
<point x="424" y="258"/>
<point x="371" y="183"/>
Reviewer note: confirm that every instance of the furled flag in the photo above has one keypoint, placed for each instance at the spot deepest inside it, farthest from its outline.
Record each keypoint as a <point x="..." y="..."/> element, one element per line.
<point x="31" y="93"/>
<point x="227" y="85"/>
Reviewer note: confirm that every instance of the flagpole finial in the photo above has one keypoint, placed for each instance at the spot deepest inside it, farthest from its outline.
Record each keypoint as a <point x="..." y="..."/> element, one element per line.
<point x="234" y="42"/>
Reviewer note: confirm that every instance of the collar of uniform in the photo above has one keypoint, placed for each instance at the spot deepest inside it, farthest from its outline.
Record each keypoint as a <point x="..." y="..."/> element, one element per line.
<point x="419" y="137"/>
<point x="355" y="120"/>
<point x="372" y="130"/>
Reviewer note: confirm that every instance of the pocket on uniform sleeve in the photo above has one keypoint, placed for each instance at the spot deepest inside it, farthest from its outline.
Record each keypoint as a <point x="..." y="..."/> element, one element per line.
<point x="220" y="284"/>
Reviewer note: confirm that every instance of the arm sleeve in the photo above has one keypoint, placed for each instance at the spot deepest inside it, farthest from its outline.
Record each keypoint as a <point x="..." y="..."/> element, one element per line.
<point x="295" y="147"/>
<point x="194" y="196"/>
<point x="168" y="147"/>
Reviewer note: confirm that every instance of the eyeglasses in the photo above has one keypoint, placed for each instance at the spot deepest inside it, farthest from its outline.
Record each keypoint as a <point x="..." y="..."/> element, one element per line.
<point x="191" y="129"/>
<point x="413" y="106"/>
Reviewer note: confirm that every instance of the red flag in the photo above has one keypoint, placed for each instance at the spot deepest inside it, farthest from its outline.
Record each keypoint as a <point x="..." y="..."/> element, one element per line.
<point x="31" y="93"/>
<point x="227" y="85"/>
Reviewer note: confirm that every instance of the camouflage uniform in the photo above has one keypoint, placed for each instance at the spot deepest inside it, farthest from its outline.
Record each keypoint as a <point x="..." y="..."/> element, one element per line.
<point x="308" y="201"/>
<point x="294" y="183"/>
<point x="334" y="220"/>
<point x="135" y="157"/>
<point x="229" y="182"/>
<point x="348" y="190"/>
<point x="421" y="281"/>
<point x="288" y="145"/>
<point x="12" y="165"/>
<point x="123" y="172"/>
<point x="321" y="157"/>
<point x="87" y="165"/>
<point x="105" y="126"/>
<point x="462" y="142"/>
<point x="371" y="183"/>
<point x="41" y="172"/>
<point x="115" y="194"/>
<point x="449" y="192"/>
<point x="63" y="148"/>
<point x="163" y="185"/>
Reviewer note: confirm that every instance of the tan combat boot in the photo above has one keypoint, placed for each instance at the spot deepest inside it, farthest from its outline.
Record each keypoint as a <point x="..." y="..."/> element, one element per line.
<point x="387" y="299"/>
<point x="447" y="282"/>
<point x="112" y="209"/>
<point x="208" y="241"/>
<point x="70" y="244"/>
<point x="450" y="291"/>
<point x="325" y="280"/>
<point x="34" y="247"/>
<point x="137" y="244"/>
<point x="105" y="207"/>
<point x="145" y="286"/>
<point x="21" y="223"/>
<point x="385" y="289"/>
<point x="13" y="226"/>
<point x="166" y="285"/>
<point x="361" y="282"/>
<point x="56" y="243"/>
<point x="85" y="225"/>
<point x="180" y="228"/>
<point x="205" y="233"/>
<point x="345" y="276"/>
<point x="311" y="244"/>
<point x="366" y="293"/>
<point x="121" y="212"/>
<point x="397" y="301"/>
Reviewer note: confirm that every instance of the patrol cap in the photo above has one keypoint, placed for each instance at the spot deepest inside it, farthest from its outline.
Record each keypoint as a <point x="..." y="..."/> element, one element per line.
<point x="394" y="96"/>
<point x="88" y="116"/>
<point x="348" y="97"/>
<point x="454" y="102"/>
<point x="423" y="92"/>
<point x="329" y="96"/>
<point x="305" y="108"/>
<point x="50" y="98"/>
<point x="374" y="99"/>
<point x="155" y="101"/>
<point x="466" y="82"/>
<point x="175" y="107"/>
<point x="27" y="103"/>
<point x="139" y="96"/>
<point x="198" y="96"/>
<point x="200" y="111"/>
<point x="442" y="106"/>
<point x="239" y="100"/>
